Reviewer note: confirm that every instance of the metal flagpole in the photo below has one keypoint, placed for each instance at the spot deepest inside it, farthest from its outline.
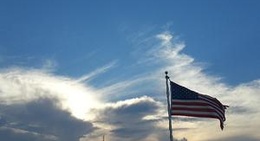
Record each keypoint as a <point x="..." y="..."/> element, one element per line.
<point x="169" y="105"/>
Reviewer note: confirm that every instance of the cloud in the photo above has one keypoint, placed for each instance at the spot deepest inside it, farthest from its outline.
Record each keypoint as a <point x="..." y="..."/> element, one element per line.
<point x="242" y="99"/>
<point x="15" y="134"/>
<point x="131" y="119"/>
<point x="19" y="85"/>
<point x="40" y="105"/>
<point x="96" y="72"/>
<point x="41" y="120"/>
<point x="123" y="118"/>
<point x="49" y="65"/>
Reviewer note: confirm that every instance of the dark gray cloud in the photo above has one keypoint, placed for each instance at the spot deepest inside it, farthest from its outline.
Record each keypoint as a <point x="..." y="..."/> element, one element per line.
<point x="40" y="120"/>
<point x="128" y="119"/>
<point x="130" y="122"/>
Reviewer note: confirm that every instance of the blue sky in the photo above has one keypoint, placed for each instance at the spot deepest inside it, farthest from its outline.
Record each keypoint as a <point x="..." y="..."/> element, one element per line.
<point x="79" y="55"/>
<point x="71" y="32"/>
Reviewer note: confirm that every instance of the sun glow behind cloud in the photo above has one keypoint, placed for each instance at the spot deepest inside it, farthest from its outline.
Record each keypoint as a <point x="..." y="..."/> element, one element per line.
<point x="25" y="85"/>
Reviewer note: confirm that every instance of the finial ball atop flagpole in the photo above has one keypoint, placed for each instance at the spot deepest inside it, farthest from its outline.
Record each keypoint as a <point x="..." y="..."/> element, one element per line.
<point x="166" y="75"/>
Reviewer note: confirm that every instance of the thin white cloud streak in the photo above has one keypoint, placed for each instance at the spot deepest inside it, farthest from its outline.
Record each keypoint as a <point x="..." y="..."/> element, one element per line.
<point x="121" y="88"/>
<point x="96" y="72"/>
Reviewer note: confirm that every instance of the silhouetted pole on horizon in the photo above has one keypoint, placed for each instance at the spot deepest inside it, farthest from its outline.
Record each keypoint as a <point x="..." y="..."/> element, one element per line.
<point x="169" y="105"/>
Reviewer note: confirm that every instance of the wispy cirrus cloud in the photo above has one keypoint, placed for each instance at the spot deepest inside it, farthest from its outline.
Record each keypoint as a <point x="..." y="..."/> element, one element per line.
<point x="186" y="71"/>
<point x="96" y="72"/>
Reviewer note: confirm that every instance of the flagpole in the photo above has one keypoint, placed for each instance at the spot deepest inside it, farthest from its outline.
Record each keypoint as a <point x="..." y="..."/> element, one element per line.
<point x="169" y="105"/>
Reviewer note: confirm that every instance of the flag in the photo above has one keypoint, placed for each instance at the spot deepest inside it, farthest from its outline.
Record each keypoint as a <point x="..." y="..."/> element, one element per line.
<point x="185" y="102"/>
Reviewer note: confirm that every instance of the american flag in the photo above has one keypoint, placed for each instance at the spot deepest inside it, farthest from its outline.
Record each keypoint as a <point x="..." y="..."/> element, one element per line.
<point x="185" y="102"/>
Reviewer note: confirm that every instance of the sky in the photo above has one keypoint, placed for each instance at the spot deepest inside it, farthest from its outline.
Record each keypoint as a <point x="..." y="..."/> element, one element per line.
<point x="78" y="70"/>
